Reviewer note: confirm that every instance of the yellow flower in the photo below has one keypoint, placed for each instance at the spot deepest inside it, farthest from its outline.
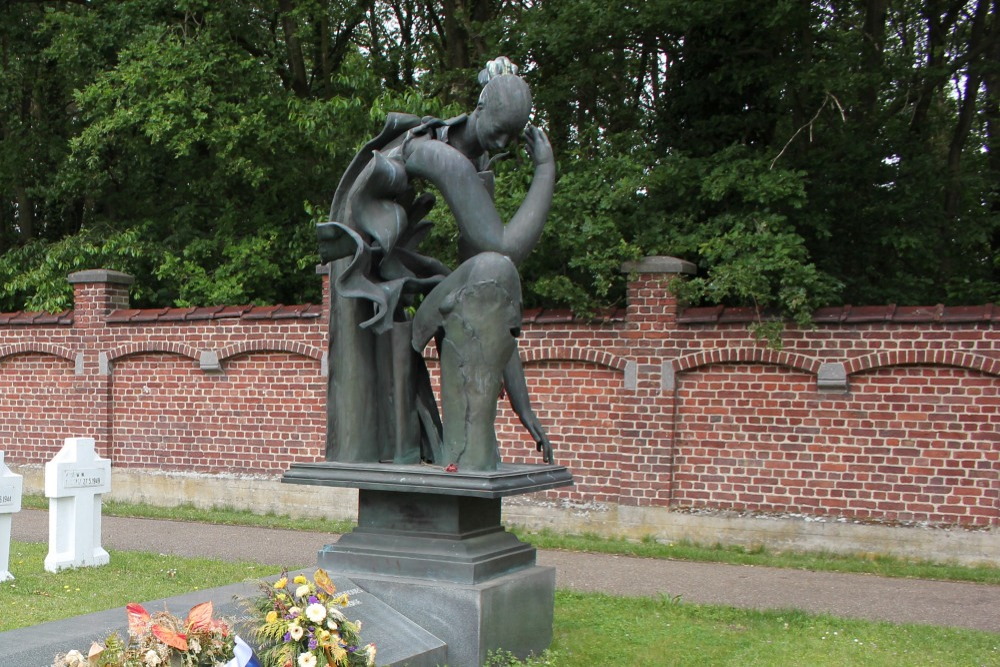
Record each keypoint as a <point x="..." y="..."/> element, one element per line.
<point x="271" y="617"/>
<point x="281" y="583"/>
<point x="300" y="580"/>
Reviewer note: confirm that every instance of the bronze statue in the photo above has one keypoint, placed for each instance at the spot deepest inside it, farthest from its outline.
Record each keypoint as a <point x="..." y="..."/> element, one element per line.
<point x="381" y="407"/>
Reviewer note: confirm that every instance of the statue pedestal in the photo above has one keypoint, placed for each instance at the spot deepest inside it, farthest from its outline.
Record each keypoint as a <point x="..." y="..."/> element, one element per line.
<point x="430" y="544"/>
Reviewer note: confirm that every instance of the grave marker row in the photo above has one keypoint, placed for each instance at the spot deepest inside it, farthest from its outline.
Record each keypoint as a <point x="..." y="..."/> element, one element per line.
<point x="75" y="480"/>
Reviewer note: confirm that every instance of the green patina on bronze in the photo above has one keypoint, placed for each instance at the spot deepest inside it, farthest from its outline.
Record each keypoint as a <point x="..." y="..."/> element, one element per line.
<point x="390" y="301"/>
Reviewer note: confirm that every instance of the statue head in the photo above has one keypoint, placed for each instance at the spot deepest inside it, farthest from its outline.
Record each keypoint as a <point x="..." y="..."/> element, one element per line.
<point x="504" y="105"/>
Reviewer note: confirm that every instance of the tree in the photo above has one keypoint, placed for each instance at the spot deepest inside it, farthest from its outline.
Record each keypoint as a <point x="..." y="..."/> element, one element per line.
<point x="799" y="153"/>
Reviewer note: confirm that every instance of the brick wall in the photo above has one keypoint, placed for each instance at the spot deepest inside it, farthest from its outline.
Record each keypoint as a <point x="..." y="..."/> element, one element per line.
<point x="875" y="413"/>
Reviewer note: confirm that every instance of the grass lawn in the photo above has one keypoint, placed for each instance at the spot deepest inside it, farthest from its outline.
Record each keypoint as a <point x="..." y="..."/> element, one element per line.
<point x="597" y="629"/>
<point x="590" y="629"/>
<point x="36" y="596"/>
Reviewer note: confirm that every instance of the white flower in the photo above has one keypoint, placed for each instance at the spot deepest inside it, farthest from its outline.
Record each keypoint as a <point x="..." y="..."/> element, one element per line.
<point x="294" y="611"/>
<point x="302" y="591"/>
<point x="316" y="612"/>
<point x="370" y="650"/>
<point x="307" y="660"/>
<point x="296" y="631"/>
<point x="194" y="646"/>
<point x="151" y="658"/>
<point x="75" y="659"/>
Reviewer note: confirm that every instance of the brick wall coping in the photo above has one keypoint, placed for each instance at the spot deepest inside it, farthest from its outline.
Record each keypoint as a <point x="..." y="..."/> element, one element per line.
<point x="100" y="276"/>
<point x="853" y="314"/>
<point x="279" y="312"/>
<point x="702" y="315"/>
<point x="151" y="315"/>
<point x="660" y="264"/>
<point x="64" y="318"/>
<point x="565" y="315"/>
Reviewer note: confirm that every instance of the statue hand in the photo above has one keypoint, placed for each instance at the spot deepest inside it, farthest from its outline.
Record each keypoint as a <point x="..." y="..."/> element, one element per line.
<point x="542" y="443"/>
<point x="545" y="447"/>
<point x="537" y="144"/>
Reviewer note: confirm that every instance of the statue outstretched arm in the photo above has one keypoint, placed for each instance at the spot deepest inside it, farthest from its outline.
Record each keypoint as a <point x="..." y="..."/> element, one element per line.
<point x="478" y="221"/>
<point x="517" y="392"/>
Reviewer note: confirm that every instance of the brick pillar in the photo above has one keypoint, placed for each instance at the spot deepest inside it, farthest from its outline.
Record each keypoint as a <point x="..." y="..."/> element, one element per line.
<point x="323" y="271"/>
<point x="96" y="293"/>
<point x="647" y="408"/>
<point x="651" y="301"/>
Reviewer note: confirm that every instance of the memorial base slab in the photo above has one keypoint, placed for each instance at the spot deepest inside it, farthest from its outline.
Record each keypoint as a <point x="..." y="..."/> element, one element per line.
<point x="430" y="544"/>
<point x="512" y="612"/>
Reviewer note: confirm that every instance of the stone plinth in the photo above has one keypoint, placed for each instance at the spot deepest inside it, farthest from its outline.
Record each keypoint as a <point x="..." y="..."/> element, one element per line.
<point x="430" y="544"/>
<point x="75" y="480"/>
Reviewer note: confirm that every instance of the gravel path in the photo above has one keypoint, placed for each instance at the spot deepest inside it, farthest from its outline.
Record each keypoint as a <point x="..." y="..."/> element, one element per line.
<point x="869" y="597"/>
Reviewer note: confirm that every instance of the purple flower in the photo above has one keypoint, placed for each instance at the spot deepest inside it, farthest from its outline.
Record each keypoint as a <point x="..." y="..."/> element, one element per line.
<point x="313" y="644"/>
<point x="287" y="637"/>
<point x="313" y="599"/>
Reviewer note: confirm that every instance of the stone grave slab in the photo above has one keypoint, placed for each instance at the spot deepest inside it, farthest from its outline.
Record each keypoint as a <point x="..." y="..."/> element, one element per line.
<point x="398" y="640"/>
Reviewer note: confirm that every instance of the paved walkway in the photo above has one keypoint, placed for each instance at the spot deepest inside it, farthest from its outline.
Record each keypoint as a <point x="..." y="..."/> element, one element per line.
<point x="974" y="606"/>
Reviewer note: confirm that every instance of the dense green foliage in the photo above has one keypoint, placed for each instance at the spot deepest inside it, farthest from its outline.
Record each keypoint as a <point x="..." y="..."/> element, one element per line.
<point x="800" y="153"/>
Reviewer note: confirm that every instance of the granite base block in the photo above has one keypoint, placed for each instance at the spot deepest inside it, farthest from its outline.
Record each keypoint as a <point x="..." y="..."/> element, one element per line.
<point x="513" y="612"/>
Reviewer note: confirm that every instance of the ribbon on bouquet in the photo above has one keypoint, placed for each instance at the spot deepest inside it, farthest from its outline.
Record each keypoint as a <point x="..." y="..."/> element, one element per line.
<point x="244" y="655"/>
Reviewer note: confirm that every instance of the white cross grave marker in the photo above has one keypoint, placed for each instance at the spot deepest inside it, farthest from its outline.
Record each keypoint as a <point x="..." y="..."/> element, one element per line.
<point x="75" y="480"/>
<point x="11" y="485"/>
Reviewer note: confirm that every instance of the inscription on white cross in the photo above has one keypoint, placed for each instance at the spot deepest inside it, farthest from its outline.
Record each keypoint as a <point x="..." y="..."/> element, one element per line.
<point x="75" y="480"/>
<point x="11" y="486"/>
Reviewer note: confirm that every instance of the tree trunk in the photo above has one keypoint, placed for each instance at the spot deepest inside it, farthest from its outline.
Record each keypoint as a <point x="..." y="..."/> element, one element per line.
<point x="296" y="63"/>
<point x="463" y="44"/>
<point x="966" y="112"/>
<point x="873" y="50"/>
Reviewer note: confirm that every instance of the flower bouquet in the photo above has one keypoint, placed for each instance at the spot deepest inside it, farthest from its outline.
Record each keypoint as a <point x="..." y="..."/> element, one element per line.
<point x="301" y="625"/>
<point x="163" y="639"/>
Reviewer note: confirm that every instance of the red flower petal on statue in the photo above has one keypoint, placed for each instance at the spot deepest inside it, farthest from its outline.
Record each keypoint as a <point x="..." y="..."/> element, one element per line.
<point x="451" y="468"/>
